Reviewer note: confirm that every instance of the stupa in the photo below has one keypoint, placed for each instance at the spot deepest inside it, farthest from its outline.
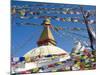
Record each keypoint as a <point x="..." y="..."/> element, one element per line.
<point x="47" y="57"/>
<point x="46" y="43"/>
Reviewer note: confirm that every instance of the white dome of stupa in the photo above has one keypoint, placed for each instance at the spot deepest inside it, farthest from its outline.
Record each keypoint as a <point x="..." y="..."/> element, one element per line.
<point x="46" y="50"/>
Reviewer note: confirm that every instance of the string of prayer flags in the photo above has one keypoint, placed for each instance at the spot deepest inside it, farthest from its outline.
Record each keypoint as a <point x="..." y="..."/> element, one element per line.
<point x="22" y="59"/>
<point x="75" y="67"/>
<point x="23" y="15"/>
<point x="75" y="29"/>
<point x="89" y="13"/>
<point x="57" y="28"/>
<point x="56" y="66"/>
<point x="58" y="11"/>
<point x="15" y="59"/>
<point x="18" y="65"/>
<point x="35" y="70"/>
<point x="91" y="21"/>
<point x="21" y="65"/>
<point x="13" y="11"/>
<point x="18" y="59"/>
<point x="83" y="61"/>
<point x="27" y="24"/>
<point x="24" y="72"/>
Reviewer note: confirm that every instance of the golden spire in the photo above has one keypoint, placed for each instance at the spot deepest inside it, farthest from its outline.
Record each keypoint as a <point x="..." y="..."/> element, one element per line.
<point x="46" y="37"/>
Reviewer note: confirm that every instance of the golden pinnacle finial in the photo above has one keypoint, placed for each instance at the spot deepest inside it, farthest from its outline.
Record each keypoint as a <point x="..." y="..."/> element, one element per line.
<point x="46" y="22"/>
<point x="46" y="37"/>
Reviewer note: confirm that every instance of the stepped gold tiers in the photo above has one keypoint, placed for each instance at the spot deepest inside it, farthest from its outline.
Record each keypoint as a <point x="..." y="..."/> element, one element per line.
<point x="46" y="37"/>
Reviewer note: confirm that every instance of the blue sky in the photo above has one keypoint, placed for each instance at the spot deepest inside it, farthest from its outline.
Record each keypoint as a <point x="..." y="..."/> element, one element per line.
<point x="24" y="38"/>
